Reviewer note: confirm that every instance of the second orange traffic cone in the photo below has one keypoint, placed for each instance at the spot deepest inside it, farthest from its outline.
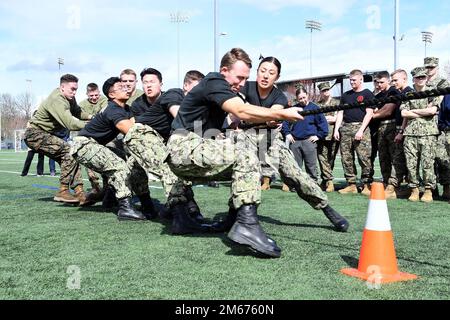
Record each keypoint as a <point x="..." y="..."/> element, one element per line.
<point x="377" y="260"/>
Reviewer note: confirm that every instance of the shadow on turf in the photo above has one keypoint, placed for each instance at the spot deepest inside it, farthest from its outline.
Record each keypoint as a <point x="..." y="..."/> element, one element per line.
<point x="298" y="225"/>
<point x="352" y="262"/>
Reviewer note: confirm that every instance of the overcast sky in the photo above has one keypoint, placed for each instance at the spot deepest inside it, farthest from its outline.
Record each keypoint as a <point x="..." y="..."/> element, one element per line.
<point x="99" y="38"/>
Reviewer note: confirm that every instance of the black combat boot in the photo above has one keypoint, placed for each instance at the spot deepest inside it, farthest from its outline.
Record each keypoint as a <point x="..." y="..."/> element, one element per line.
<point x="127" y="212"/>
<point x="225" y="224"/>
<point x="192" y="206"/>
<point x="183" y="224"/>
<point x="147" y="207"/>
<point x="109" y="198"/>
<point x="166" y="212"/>
<point x="194" y="211"/>
<point x="339" y="222"/>
<point x="247" y="231"/>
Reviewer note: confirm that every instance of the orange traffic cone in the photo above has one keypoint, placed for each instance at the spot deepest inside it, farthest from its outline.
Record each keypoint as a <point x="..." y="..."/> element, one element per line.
<point x="377" y="260"/>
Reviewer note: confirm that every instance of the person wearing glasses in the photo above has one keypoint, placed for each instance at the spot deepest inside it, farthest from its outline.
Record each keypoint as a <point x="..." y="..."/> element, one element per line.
<point x="420" y="133"/>
<point x="89" y="149"/>
<point x="442" y="167"/>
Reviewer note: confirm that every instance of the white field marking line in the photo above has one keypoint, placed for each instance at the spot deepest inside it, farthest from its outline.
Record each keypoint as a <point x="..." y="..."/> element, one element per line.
<point x="57" y="177"/>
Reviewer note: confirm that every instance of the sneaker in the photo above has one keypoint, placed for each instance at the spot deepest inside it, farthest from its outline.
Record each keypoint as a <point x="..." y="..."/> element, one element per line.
<point x="53" y="173"/>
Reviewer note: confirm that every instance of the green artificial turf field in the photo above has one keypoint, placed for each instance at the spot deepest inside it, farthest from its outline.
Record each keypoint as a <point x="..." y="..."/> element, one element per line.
<point x="55" y="251"/>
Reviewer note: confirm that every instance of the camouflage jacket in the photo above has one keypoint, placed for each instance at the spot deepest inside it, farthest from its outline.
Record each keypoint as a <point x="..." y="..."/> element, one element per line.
<point x="424" y="126"/>
<point x="56" y="113"/>
<point x="333" y="102"/>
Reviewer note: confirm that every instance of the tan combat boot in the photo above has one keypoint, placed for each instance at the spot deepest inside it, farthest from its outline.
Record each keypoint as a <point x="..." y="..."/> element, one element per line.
<point x="330" y="186"/>
<point x="79" y="194"/>
<point x="446" y="193"/>
<point x="64" y="195"/>
<point x="427" y="196"/>
<point x="266" y="183"/>
<point x="366" y="190"/>
<point x="351" y="188"/>
<point x="285" y="188"/>
<point x="390" y="192"/>
<point x="414" y="197"/>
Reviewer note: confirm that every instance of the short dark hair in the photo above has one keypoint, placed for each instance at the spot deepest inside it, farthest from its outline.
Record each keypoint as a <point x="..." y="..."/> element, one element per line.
<point x="68" y="78"/>
<point x="92" y="87"/>
<point x="273" y="60"/>
<point x="109" y="84"/>
<point x="193" y="75"/>
<point x="234" y="55"/>
<point x="155" y="72"/>
<point x="300" y="89"/>
<point x="382" y="74"/>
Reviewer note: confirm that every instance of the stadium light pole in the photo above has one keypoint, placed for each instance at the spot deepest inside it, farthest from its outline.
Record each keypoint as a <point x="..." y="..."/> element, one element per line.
<point x="60" y="63"/>
<point x="427" y="37"/>
<point x="178" y="17"/>
<point x="396" y="32"/>
<point x="217" y="34"/>
<point x="317" y="26"/>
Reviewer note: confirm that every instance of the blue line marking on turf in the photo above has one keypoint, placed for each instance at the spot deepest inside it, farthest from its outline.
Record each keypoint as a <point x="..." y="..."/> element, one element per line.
<point x="41" y="186"/>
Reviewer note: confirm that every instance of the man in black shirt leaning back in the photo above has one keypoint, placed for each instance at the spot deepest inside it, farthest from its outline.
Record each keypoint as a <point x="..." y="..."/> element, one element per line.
<point x="89" y="149"/>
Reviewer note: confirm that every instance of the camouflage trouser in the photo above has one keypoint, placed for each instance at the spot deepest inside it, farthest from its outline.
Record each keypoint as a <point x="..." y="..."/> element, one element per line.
<point x="442" y="166"/>
<point x="326" y="154"/>
<point x="269" y="163"/>
<point x="93" y="179"/>
<point x="399" y="162"/>
<point x="123" y="176"/>
<point x="296" y="178"/>
<point x="57" y="149"/>
<point x="420" y="153"/>
<point x="447" y="144"/>
<point x="148" y="148"/>
<point x="386" y="152"/>
<point x="194" y="158"/>
<point x="363" y="151"/>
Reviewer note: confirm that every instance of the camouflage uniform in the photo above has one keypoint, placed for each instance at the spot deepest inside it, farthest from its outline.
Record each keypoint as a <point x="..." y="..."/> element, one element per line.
<point x="420" y="141"/>
<point x="58" y="150"/>
<point x="93" y="109"/>
<point x="327" y="149"/>
<point x="269" y="164"/>
<point x="192" y="158"/>
<point x="363" y="150"/>
<point x="292" y="175"/>
<point x="123" y="176"/>
<point x="386" y="152"/>
<point x="147" y="147"/>
<point x="442" y="168"/>
<point x="52" y="116"/>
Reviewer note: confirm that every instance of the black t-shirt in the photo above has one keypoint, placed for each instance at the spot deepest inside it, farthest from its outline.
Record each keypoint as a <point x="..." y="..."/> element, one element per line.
<point x="356" y="114"/>
<point x="276" y="96"/>
<point x="204" y="104"/>
<point x="157" y="115"/>
<point x="141" y="105"/>
<point x="398" y="113"/>
<point x="389" y="93"/>
<point x="102" y="128"/>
